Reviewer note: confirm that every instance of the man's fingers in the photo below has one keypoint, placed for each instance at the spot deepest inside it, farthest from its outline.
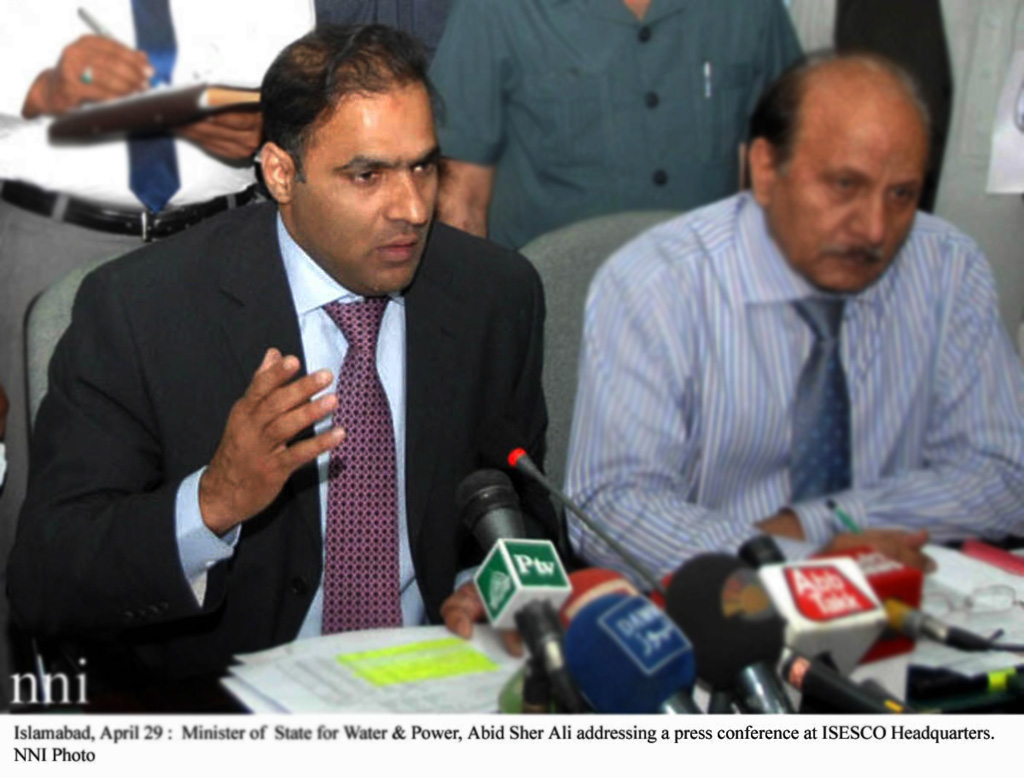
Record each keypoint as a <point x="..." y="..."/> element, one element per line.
<point x="269" y="358"/>
<point x="293" y="395"/>
<point x="914" y="558"/>
<point x="271" y="376"/>
<point x="235" y="138"/>
<point x="296" y="455"/>
<point x="109" y="47"/>
<point x="285" y="426"/>
<point x="235" y="122"/>
<point x="462" y="608"/>
<point x="110" y="69"/>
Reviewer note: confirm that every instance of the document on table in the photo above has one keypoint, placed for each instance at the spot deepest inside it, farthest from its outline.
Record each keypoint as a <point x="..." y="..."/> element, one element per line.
<point x="957" y="576"/>
<point x="404" y="670"/>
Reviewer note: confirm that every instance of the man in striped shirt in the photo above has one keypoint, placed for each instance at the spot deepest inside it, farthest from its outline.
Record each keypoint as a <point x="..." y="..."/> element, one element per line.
<point x="685" y="434"/>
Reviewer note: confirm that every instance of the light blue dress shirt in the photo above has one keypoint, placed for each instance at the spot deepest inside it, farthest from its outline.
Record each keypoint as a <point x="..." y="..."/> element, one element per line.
<point x="691" y="354"/>
<point x="325" y="347"/>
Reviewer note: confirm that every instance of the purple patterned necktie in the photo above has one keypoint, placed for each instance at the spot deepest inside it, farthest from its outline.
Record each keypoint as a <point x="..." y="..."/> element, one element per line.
<point x="361" y="569"/>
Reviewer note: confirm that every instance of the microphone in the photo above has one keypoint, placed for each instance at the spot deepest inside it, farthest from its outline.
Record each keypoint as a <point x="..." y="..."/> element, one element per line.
<point x="527" y="691"/>
<point x="542" y="632"/>
<point x="521" y="582"/>
<point x="915" y="624"/>
<point x="628" y="657"/>
<point x="489" y="507"/>
<point x="829" y="609"/>
<point x="899" y="588"/>
<point x="721" y="605"/>
<point x="890" y="580"/>
<point x="832" y="616"/>
<point x="498" y="442"/>
<point x="761" y="551"/>
<point x="828" y="605"/>
<point x="588" y="585"/>
<point x="520" y="460"/>
<point x="814" y="678"/>
<point x="516" y="570"/>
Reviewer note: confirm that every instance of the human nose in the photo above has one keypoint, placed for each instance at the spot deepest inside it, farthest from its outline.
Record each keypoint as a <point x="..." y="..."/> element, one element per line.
<point x="871" y="219"/>
<point x="409" y="201"/>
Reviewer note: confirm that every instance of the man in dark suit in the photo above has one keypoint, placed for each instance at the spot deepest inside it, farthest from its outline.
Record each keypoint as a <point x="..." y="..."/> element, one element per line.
<point x="191" y="457"/>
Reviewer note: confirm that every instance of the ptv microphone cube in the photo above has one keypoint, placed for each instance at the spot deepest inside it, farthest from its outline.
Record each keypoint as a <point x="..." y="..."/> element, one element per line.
<point x="516" y="572"/>
<point x="829" y="609"/>
<point x="890" y="580"/>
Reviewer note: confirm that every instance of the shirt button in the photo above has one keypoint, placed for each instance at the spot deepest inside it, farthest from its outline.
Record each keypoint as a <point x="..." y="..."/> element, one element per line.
<point x="651" y="99"/>
<point x="660" y="178"/>
<point x="298" y="586"/>
<point x="644" y="34"/>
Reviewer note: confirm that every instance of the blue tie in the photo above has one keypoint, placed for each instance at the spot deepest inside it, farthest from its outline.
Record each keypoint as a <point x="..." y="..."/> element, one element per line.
<point x="820" y="461"/>
<point x="153" y="175"/>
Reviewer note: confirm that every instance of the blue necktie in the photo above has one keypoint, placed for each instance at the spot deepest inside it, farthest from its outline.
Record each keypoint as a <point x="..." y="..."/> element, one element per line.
<point x="153" y="175"/>
<point x="820" y="463"/>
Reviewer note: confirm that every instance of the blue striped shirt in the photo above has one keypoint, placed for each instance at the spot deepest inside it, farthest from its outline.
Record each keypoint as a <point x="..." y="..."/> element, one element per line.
<point x="689" y="364"/>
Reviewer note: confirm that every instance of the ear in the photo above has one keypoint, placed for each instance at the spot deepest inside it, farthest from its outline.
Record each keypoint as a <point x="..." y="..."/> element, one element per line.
<point x="763" y="171"/>
<point x="278" y="172"/>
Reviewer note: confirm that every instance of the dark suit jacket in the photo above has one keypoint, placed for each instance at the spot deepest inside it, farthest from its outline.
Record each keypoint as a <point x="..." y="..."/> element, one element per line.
<point x="161" y="345"/>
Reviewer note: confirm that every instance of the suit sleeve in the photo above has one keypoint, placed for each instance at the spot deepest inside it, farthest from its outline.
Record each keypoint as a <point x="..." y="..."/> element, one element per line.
<point x="96" y="549"/>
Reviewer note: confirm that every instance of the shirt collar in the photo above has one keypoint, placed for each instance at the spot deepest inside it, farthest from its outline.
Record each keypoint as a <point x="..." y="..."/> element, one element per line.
<point x="311" y="286"/>
<point x="767" y="277"/>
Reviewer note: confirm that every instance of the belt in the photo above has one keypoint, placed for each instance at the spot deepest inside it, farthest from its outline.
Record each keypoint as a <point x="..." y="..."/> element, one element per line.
<point x="146" y="224"/>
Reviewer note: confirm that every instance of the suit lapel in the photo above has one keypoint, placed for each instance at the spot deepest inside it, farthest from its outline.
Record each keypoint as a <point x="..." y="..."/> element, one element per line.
<point x="256" y="312"/>
<point x="432" y="312"/>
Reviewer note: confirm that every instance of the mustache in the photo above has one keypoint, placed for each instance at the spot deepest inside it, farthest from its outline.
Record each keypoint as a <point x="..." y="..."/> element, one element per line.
<point x="855" y="251"/>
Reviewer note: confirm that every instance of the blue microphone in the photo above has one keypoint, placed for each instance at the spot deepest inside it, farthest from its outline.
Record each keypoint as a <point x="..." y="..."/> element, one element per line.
<point x="627" y="656"/>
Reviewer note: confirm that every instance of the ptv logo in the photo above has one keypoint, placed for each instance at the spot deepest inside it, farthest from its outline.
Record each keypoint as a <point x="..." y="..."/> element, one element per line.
<point x="823" y="593"/>
<point x="526" y="565"/>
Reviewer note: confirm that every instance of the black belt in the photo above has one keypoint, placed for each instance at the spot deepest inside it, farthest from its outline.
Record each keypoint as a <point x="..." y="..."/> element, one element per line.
<point x="145" y="224"/>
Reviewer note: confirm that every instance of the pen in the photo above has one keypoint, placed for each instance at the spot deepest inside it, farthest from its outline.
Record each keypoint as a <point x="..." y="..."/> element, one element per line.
<point x="94" y="24"/>
<point x="844" y="517"/>
<point x="707" y="79"/>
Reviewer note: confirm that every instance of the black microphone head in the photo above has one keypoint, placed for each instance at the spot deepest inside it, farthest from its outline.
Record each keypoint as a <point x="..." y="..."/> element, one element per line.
<point x="726" y="613"/>
<point x="489" y="507"/>
<point x="760" y="551"/>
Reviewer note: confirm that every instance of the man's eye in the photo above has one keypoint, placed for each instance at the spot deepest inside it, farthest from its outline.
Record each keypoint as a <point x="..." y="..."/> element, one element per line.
<point x="367" y="176"/>
<point x="426" y="167"/>
<point x="844" y="184"/>
<point x="904" y="194"/>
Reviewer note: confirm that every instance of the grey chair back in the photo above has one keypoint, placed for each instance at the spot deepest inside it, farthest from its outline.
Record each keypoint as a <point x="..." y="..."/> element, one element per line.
<point x="566" y="260"/>
<point x="48" y="317"/>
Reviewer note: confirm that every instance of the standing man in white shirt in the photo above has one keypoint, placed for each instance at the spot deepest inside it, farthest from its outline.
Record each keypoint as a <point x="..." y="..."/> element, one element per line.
<point x="63" y="206"/>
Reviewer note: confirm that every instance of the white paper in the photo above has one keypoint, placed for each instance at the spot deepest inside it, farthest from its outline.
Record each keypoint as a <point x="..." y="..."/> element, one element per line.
<point x="304" y="676"/>
<point x="957" y="576"/>
<point x="1006" y="166"/>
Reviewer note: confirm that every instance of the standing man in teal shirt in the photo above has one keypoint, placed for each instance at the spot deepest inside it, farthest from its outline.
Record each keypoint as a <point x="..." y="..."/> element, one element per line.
<point x="558" y="110"/>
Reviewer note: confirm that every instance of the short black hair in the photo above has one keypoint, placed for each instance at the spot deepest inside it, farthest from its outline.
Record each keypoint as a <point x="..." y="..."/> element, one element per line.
<point x="777" y="115"/>
<point x="311" y="76"/>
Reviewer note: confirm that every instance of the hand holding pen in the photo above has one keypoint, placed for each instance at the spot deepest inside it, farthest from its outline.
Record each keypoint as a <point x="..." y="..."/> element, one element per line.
<point x="91" y="69"/>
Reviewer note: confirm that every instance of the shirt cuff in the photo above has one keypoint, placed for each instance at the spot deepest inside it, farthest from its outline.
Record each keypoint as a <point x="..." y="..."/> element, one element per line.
<point x="465" y="575"/>
<point x="3" y="464"/>
<point x="199" y="549"/>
